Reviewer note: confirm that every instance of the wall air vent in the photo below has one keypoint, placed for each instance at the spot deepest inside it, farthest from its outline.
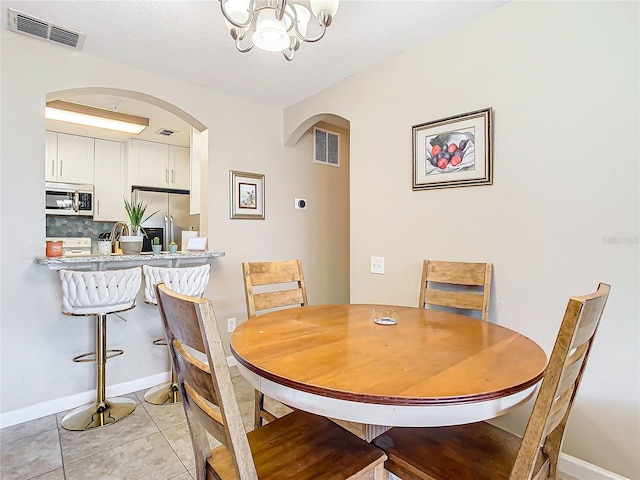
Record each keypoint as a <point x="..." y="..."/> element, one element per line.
<point x="35" y="27"/>
<point x="166" y="132"/>
<point x="326" y="147"/>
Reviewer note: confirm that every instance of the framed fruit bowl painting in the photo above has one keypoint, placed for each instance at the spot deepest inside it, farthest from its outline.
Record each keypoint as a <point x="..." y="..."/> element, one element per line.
<point x="453" y="152"/>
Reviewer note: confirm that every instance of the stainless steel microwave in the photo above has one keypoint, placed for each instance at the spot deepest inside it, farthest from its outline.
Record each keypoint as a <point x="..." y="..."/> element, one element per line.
<point x="68" y="199"/>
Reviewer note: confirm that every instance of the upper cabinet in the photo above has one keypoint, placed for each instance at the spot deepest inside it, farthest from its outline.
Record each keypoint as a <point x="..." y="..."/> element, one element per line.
<point x="108" y="187"/>
<point x="69" y="158"/>
<point x="179" y="163"/>
<point x="159" y="165"/>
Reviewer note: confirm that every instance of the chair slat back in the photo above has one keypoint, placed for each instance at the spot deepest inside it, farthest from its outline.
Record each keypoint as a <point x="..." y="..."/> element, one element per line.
<point x="278" y="276"/>
<point x="465" y="300"/>
<point x="561" y="380"/>
<point x="207" y="391"/>
<point x="463" y="274"/>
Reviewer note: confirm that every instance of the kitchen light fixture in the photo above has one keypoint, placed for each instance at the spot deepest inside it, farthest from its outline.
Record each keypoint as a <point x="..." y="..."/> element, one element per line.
<point x="95" y="117"/>
<point x="276" y="25"/>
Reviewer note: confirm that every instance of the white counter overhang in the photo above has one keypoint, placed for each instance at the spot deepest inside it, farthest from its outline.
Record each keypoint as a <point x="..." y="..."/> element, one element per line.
<point x="105" y="262"/>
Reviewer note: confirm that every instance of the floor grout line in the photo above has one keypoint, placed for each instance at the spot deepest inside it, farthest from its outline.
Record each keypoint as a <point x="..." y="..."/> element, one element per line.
<point x="58" y="427"/>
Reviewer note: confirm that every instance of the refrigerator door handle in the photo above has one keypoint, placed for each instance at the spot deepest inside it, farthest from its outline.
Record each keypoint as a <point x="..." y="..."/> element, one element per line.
<point x="166" y="233"/>
<point x="171" y="225"/>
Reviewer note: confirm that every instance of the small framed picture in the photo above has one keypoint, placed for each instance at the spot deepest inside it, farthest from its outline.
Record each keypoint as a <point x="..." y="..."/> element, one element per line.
<point x="453" y="152"/>
<point x="246" y="195"/>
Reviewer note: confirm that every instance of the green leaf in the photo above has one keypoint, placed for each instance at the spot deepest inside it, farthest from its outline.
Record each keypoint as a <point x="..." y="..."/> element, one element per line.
<point x="136" y="213"/>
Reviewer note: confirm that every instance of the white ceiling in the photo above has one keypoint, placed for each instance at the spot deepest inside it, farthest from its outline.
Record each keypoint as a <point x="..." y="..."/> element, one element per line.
<point x="188" y="40"/>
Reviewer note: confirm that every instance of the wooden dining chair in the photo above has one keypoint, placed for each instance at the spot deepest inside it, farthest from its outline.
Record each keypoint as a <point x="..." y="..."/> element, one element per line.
<point x="446" y="284"/>
<point x="481" y="451"/>
<point x="279" y="285"/>
<point x="299" y="446"/>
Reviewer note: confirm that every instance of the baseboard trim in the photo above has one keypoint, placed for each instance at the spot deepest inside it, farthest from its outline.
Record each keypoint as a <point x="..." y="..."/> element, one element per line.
<point x="231" y="361"/>
<point x="57" y="405"/>
<point x="585" y="471"/>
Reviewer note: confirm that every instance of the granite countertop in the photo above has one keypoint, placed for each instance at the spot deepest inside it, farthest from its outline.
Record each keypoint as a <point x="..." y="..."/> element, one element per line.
<point x="101" y="260"/>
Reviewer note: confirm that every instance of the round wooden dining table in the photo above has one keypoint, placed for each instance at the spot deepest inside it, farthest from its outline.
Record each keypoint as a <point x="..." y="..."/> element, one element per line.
<point x="429" y="369"/>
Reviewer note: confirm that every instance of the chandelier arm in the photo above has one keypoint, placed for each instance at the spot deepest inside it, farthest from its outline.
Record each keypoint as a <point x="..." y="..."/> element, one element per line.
<point x="293" y="17"/>
<point x="288" y="54"/>
<point x="310" y="39"/>
<point x="279" y="9"/>
<point x="231" y="20"/>
<point x="244" y="49"/>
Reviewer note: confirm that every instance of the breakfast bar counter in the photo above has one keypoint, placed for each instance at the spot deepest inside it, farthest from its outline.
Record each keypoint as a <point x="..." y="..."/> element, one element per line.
<point x="105" y="262"/>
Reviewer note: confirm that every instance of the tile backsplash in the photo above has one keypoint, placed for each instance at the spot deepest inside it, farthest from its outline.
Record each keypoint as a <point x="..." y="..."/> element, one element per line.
<point x="70" y="226"/>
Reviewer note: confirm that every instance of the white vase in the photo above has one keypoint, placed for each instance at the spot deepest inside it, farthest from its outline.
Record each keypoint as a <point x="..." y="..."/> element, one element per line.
<point x="131" y="244"/>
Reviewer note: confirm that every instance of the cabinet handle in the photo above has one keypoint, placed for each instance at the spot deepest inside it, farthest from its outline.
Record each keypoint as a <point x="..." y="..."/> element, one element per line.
<point x="173" y="176"/>
<point x="60" y="168"/>
<point x="166" y="175"/>
<point x="53" y="168"/>
<point x="98" y="207"/>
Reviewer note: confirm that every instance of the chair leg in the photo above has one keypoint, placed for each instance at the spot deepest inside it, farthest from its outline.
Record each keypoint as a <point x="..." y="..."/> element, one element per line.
<point x="258" y="407"/>
<point x="166" y="393"/>
<point x="103" y="411"/>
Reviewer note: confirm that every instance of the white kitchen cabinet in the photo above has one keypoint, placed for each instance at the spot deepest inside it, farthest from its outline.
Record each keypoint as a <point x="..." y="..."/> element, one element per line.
<point x="179" y="163"/>
<point x="159" y="165"/>
<point x="108" y="186"/>
<point x="69" y="158"/>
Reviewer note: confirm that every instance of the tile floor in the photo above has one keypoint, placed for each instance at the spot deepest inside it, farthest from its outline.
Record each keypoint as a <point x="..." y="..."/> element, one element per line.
<point x="151" y="443"/>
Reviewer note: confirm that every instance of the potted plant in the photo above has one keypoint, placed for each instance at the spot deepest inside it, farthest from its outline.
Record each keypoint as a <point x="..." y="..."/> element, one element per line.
<point x="156" y="246"/>
<point x="132" y="244"/>
<point x="173" y="247"/>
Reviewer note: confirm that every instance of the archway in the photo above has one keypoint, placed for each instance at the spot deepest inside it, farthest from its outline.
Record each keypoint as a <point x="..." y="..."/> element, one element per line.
<point x="301" y="129"/>
<point x="329" y="218"/>
<point x="198" y="140"/>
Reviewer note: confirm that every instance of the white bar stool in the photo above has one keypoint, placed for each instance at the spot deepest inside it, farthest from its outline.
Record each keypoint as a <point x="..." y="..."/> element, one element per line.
<point x="99" y="293"/>
<point x="191" y="281"/>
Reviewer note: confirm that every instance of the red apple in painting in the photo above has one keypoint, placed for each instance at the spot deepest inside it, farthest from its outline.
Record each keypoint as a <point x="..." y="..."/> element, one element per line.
<point x="442" y="163"/>
<point x="452" y="148"/>
<point x="455" y="160"/>
<point x="435" y="150"/>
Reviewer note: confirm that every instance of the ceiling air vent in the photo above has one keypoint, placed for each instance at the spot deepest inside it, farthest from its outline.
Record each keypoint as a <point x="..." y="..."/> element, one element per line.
<point x="166" y="132"/>
<point x="21" y="23"/>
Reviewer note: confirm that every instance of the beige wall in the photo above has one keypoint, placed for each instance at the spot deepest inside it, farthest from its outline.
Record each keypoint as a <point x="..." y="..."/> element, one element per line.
<point x="562" y="215"/>
<point x="328" y="221"/>
<point x="37" y="341"/>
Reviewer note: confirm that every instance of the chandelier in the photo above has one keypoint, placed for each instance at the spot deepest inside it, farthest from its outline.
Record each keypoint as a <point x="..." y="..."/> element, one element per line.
<point x="275" y="25"/>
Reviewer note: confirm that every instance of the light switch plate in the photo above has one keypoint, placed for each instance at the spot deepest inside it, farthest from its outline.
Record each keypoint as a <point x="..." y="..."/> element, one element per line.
<point x="377" y="265"/>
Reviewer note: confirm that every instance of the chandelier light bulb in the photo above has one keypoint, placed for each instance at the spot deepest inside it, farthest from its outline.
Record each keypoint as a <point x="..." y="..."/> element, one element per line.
<point x="271" y="34"/>
<point x="329" y="6"/>
<point x="238" y="10"/>
<point x="303" y="15"/>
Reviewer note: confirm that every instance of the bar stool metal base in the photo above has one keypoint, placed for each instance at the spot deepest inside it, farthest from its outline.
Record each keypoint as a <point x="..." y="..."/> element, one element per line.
<point x="98" y="414"/>
<point x="164" y="394"/>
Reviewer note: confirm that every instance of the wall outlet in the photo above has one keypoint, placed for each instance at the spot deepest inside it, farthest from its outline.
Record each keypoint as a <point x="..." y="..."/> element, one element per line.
<point x="300" y="204"/>
<point x="231" y="325"/>
<point x="377" y="265"/>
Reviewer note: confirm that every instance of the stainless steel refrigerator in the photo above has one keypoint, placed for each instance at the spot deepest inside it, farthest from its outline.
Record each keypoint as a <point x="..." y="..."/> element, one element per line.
<point x="173" y="215"/>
